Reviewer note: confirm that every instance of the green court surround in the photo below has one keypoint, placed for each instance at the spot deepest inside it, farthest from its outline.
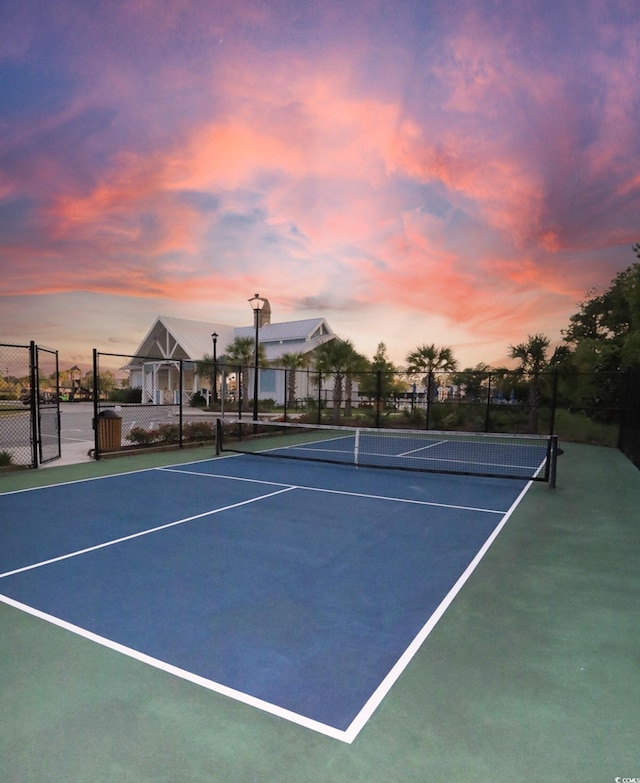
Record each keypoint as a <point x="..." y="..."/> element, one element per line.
<point x="532" y="674"/>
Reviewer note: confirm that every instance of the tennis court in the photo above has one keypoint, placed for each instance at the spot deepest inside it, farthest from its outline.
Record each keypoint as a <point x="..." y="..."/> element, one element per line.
<point x="222" y="573"/>
<point x="269" y="605"/>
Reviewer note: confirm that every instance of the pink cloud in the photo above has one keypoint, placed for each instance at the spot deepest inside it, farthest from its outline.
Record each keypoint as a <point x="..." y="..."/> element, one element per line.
<point x="461" y="177"/>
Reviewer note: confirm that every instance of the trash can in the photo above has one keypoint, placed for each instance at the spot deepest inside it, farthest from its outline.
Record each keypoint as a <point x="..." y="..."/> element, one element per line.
<point x="109" y="430"/>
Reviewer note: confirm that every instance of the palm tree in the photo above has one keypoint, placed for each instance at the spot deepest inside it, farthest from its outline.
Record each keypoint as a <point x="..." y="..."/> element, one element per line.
<point x="292" y="362"/>
<point x="427" y="359"/>
<point x="205" y="368"/>
<point x="430" y="358"/>
<point x="532" y="356"/>
<point x="358" y="364"/>
<point x="473" y="381"/>
<point x="241" y="352"/>
<point x="335" y="357"/>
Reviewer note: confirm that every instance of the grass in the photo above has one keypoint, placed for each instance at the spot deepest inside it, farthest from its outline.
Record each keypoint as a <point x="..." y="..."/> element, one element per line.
<point x="577" y="428"/>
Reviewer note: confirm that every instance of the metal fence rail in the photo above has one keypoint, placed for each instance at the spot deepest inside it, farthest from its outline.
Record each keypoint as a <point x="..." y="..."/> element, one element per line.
<point x="17" y="434"/>
<point x="151" y="402"/>
<point x="160" y="402"/>
<point x="143" y="403"/>
<point x="29" y="406"/>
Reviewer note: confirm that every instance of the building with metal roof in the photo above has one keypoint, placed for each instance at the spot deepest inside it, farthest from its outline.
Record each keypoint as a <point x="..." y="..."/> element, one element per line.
<point x="174" y="342"/>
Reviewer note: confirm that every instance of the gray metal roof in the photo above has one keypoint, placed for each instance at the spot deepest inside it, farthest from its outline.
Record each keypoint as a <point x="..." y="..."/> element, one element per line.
<point x="181" y="338"/>
<point x="298" y="331"/>
<point x="191" y="339"/>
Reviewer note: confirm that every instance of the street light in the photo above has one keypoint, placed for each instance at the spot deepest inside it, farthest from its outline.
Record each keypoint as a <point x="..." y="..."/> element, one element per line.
<point x="214" y="337"/>
<point x="256" y="305"/>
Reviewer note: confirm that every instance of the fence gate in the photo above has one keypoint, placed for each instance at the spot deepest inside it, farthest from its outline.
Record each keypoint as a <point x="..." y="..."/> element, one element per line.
<point x="45" y="403"/>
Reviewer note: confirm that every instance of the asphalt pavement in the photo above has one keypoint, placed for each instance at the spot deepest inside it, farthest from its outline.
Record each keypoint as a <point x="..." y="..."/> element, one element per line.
<point x="76" y="434"/>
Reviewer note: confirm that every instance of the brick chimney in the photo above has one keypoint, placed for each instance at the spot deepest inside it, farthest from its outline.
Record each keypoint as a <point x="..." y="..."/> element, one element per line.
<point x="265" y="313"/>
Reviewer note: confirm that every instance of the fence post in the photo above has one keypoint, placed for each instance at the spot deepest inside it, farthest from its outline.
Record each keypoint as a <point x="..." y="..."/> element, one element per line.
<point x="378" y="395"/>
<point x="33" y="401"/>
<point x="554" y="394"/>
<point x="96" y="390"/>
<point x="488" y="407"/>
<point x="286" y="392"/>
<point x="428" y="400"/>
<point x="180" y="403"/>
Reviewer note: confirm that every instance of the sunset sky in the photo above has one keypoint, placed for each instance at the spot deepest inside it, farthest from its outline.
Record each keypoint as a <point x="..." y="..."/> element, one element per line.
<point x="416" y="171"/>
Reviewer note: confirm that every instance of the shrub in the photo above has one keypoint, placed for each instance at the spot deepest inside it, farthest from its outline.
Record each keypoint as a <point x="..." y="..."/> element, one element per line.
<point x="578" y="428"/>
<point x="199" y="430"/>
<point x="414" y="418"/>
<point x="197" y="400"/>
<point x="126" y="395"/>
<point x="141" y="437"/>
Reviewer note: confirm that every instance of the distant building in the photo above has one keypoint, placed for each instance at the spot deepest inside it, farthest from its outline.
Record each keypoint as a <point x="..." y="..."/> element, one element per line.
<point x="156" y="366"/>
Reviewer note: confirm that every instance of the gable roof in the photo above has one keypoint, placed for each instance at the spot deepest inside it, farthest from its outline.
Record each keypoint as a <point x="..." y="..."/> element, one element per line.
<point x="181" y="338"/>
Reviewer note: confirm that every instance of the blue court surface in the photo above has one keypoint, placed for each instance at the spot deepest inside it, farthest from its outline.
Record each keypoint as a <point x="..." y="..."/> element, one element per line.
<point x="300" y="589"/>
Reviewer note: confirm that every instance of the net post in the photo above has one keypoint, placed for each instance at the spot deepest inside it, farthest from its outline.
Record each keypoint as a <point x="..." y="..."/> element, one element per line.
<point x="552" y="455"/>
<point x="356" y="447"/>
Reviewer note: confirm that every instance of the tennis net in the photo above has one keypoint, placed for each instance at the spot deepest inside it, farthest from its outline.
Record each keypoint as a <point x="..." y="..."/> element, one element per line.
<point x="497" y="455"/>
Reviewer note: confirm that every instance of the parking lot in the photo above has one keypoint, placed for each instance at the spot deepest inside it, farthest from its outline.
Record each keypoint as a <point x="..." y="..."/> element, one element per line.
<point x="76" y="428"/>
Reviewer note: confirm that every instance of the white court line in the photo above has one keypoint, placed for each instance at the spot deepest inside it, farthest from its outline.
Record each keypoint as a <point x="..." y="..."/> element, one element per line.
<point x="349" y="735"/>
<point x="355" y="727"/>
<point x="422" y="448"/>
<point x="401" y="664"/>
<point x="109" y="476"/>
<point x="176" y="469"/>
<point x="142" y="533"/>
<point x="176" y="671"/>
<point x="338" y="491"/>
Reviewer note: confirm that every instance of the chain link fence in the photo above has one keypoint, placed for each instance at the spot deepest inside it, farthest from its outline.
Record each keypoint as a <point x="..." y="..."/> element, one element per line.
<point x="162" y="402"/>
<point x="16" y="416"/>
<point x="584" y="407"/>
<point x="147" y="402"/>
<point x="151" y="402"/>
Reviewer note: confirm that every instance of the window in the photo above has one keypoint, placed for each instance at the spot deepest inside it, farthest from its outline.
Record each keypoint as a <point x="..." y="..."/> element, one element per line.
<point x="267" y="380"/>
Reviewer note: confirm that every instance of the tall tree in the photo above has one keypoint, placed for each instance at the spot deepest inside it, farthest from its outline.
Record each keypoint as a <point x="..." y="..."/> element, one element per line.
<point x="292" y="362"/>
<point x="430" y="358"/>
<point x="241" y="352"/>
<point x="532" y="356"/>
<point x="606" y="329"/>
<point x="381" y="382"/>
<point x="427" y="359"/>
<point x="357" y="365"/>
<point x="335" y="357"/>
<point x="206" y="368"/>
<point x="473" y="380"/>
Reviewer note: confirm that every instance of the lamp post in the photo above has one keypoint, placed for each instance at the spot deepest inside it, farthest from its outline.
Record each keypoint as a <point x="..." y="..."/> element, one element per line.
<point x="214" y="337"/>
<point x="256" y="305"/>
